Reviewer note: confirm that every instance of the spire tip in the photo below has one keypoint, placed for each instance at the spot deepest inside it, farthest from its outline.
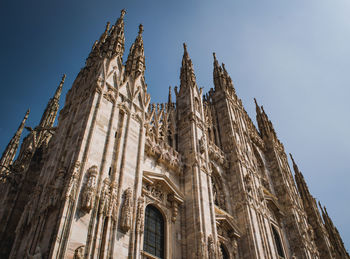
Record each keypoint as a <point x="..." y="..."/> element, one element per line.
<point x="140" y="29"/>
<point x="122" y="13"/>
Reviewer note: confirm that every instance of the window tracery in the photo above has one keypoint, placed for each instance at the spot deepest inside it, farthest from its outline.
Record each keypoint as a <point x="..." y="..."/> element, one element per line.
<point x="218" y="193"/>
<point x="153" y="241"/>
<point x="278" y="242"/>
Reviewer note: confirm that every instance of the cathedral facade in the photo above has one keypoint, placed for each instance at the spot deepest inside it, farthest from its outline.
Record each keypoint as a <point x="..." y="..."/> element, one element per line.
<point x="121" y="177"/>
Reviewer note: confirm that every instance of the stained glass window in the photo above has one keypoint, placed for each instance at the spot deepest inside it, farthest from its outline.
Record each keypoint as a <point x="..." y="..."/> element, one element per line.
<point x="153" y="241"/>
<point x="224" y="252"/>
<point x="278" y="242"/>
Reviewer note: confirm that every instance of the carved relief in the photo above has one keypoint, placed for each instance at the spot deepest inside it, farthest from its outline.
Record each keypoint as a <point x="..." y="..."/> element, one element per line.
<point x="174" y="206"/>
<point x="126" y="213"/>
<point x="218" y="193"/>
<point x="79" y="252"/>
<point x="105" y="198"/>
<point x="114" y="203"/>
<point x="211" y="248"/>
<point x="155" y="191"/>
<point x="140" y="214"/>
<point x="202" y="144"/>
<point x="89" y="190"/>
<point x="70" y="193"/>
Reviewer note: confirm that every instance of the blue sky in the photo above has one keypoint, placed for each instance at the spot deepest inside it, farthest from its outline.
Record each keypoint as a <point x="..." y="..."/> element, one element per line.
<point x="293" y="56"/>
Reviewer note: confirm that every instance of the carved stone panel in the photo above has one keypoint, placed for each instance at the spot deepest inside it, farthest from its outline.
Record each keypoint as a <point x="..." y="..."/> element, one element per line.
<point x="89" y="190"/>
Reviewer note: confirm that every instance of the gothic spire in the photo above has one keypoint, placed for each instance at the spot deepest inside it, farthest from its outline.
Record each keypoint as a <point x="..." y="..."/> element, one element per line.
<point x="264" y="124"/>
<point x="217" y="73"/>
<point x="116" y="40"/>
<point x="59" y="88"/>
<point x="10" y="152"/>
<point x="169" y="96"/>
<point x="187" y="77"/>
<point x="111" y="42"/>
<point x="221" y="78"/>
<point x="300" y="181"/>
<point x="49" y="115"/>
<point x="334" y="235"/>
<point x="135" y="63"/>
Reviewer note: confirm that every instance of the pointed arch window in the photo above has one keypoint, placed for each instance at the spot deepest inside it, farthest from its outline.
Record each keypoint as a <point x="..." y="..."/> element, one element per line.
<point x="224" y="252"/>
<point x="218" y="193"/>
<point x="278" y="242"/>
<point x="153" y="241"/>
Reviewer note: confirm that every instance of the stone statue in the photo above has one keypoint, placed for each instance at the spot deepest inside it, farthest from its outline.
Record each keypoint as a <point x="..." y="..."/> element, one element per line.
<point x="37" y="254"/>
<point x="140" y="215"/>
<point x="88" y="195"/>
<point x="125" y="221"/>
<point x="105" y="197"/>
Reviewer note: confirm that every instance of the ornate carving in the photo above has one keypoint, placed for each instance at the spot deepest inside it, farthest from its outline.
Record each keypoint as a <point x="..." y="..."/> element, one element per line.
<point x="174" y="206"/>
<point x="105" y="198"/>
<point x="114" y="203"/>
<point x="79" y="252"/>
<point x="155" y="191"/>
<point x="126" y="213"/>
<point x="89" y="190"/>
<point x="140" y="214"/>
<point x="211" y="248"/>
<point x="202" y="144"/>
<point x="73" y="182"/>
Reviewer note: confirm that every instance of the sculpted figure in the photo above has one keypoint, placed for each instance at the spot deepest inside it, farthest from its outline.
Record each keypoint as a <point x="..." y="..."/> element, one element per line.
<point x="79" y="253"/>
<point x="140" y="215"/>
<point x="37" y="254"/>
<point x="113" y="205"/>
<point x="105" y="197"/>
<point x="88" y="195"/>
<point x="125" y="221"/>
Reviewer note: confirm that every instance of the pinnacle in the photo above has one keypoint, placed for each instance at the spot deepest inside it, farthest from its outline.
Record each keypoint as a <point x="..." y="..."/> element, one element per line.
<point x="63" y="78"/>
<point x="140" y="29"/>
<point x="256" y="103"/>
<point x="20" y="128"/>
<point x="185" y="47"/>
<point x="136" y="57"/>
<point x="122" y="13"/>
<point x="295" y="166"/>
<point x="169" y="96"/>
<point x="27" y="114"/>
<point x="291" y="157"/>
<point x="216" y="63"/>
<point x="258" y="111"/>
<point x="59" y="88"/>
